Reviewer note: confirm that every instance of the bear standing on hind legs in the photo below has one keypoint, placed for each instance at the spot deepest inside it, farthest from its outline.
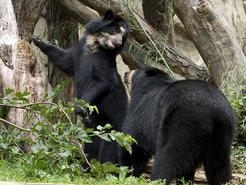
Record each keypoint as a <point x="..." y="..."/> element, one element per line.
<point x="92" y="63"/>
<point x="182" y="123"/>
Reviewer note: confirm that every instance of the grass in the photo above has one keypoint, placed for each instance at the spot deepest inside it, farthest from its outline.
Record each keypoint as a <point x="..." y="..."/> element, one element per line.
<point x="239" y="160"/>
<point x="19" y="171"/>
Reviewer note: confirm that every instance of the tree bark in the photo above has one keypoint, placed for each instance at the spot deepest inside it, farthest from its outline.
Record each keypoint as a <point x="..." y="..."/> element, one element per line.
<point x="160" y="16"/>
<point x="81" y="12"/>
<point x="214" y="40"/>
<point x="138" y="57"/>
<point x="19" y="67"/>
<point x="27" y="13"/>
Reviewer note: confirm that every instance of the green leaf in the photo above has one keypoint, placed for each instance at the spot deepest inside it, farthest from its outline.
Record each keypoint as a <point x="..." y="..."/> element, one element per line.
<point x="15" y="150"/>
<point x="107" y="126"/>
<point x="105" y="137"/>
<point x="25" y="140"/>
<point x="25" y="93"/>
<point x="65" y="154"/>
<point x="41" y="163"/>
<point x="76" y="128"/>
<point x="110" y="168"/>
<point x="4" y="145"/>
<point x="84" y="137"/>
<point x="8" y="91"/>
<point x="97" y="167"/>
<point x="123" y="172"/>
<point x="18" y="95"/>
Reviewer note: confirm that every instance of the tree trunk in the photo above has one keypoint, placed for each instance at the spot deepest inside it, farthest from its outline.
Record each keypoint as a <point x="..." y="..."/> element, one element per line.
<point x="160" y="16"/>
<point x="214" y="40"/>
<point x="19" y="67"/>
<point x="27" y="13"/>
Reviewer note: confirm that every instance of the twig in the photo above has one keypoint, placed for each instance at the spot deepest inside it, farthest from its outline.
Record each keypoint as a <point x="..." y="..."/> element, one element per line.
<point x="40" y="103"/>
<point x="14" y="140"/>
<point x="82" y="151"/>
<point x="28" y="105"/>
<point x="14" y="125"/>
<point x="64" y="112"/>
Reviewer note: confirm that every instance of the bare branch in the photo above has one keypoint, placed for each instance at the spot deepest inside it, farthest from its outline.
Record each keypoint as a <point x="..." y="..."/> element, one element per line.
<point x="14" y="125"/>
<point x="79" y="10"/>
<point x="14" y="140"/>
<point x="40" y="103"/>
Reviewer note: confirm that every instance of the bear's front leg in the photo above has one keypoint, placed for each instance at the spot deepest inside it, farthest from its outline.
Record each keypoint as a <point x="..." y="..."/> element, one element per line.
<point x="63" y="59"/>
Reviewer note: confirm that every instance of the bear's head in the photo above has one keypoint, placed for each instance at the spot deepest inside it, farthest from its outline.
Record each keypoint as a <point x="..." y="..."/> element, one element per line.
<point x="108" y="32"/>
<point x="145" y="79"/>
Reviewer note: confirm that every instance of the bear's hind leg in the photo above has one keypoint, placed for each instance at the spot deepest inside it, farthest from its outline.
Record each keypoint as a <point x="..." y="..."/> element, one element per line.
<point x="217" y="168"/>
<point x="140" y="158"/>
<point x="173" y="162"/>
<point x="163" y="168"/>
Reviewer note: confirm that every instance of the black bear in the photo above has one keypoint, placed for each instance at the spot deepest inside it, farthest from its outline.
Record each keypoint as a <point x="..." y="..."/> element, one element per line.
<point x="92" y="63"/>
<point x="182" y="123"/>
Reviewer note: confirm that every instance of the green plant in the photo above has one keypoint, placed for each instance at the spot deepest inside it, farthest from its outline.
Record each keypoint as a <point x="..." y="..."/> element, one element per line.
<point x="182" y="180"/>
<point x="237" y="98"/>
<point x="239" y="159"/>
<point x="56" y="143"/>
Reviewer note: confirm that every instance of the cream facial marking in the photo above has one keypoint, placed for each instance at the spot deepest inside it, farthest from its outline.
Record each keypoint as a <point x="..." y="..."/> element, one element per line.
<point x="109" y="41"/>
<point x="105" y="40"/>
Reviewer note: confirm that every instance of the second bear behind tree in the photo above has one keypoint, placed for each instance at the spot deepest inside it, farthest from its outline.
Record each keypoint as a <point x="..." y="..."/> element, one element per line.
<point x="182" y="123"/>
<point x="92" y="63"/>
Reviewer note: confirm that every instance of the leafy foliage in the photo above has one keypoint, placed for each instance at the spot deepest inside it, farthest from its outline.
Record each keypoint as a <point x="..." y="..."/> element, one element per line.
<point x="239" y="160"/>
<point x="238" y="102"/>
<point x="55" y="143"/>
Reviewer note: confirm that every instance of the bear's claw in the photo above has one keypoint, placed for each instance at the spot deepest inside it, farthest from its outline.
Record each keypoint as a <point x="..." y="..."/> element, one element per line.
<point x="36" y="40"/>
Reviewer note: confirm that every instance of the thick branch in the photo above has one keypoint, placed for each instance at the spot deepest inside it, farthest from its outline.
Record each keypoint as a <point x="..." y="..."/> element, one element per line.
<point x="83" y="13"/>
<point x="214" y="40"/>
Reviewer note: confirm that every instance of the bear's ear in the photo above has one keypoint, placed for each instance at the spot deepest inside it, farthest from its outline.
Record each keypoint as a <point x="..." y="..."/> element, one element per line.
<point x="108" y="15"/>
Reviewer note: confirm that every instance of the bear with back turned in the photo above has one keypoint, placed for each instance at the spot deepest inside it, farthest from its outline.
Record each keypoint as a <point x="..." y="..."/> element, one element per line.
<point x="182" y="123"/>
<point x="92" y="63"/>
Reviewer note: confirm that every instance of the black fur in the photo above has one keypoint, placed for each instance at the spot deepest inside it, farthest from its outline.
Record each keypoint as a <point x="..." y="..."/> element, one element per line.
<point x="183" y="123"/>
<point x="92" y="62"/>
